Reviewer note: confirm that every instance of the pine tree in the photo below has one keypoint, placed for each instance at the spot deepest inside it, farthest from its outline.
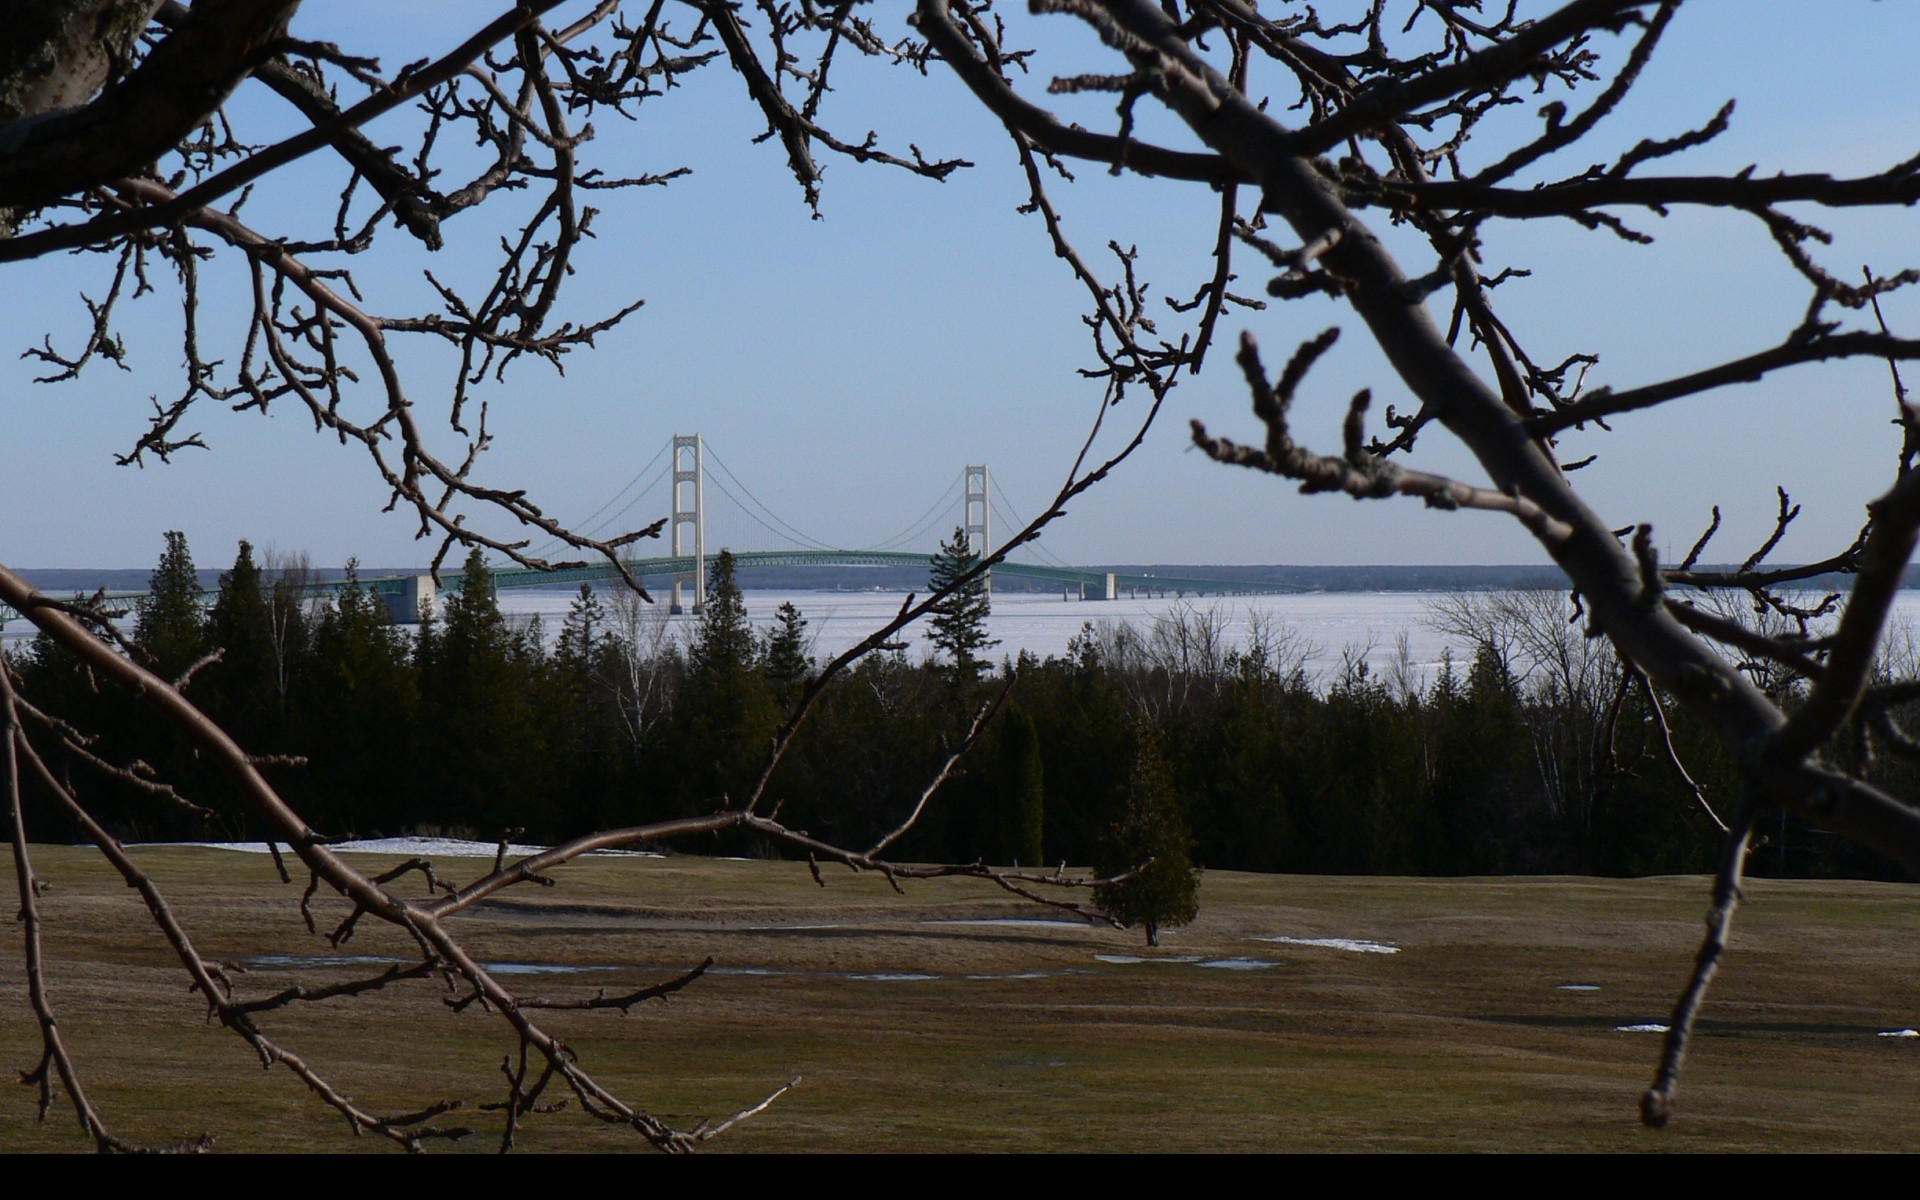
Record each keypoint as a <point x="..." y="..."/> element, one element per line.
<point x="1022" y="799"/>
<point x="473" y="612"/>
<point x="1167" y="893"/>
<point x="486" y="756"/>
<point x="357" y="715"/>
<point x="958" y="627"/>
<point x="169" y="624"/>
<point x="582" y="634"/>
<point x="239" y="690"/>
<point x="726" y="709"/>
<point x="786" y="656"/>
<point x="725" y="642"/>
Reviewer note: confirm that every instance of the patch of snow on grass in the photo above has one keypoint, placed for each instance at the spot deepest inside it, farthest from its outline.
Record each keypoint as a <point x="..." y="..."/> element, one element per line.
<point x="1647" y="1028"/>
<point x="1900" y="1033"/>
<point x="1127" y="960"/>
<point x="1239" y="964"/>
<point x="1576" y="987"/>
<point x="1356" y="945"/>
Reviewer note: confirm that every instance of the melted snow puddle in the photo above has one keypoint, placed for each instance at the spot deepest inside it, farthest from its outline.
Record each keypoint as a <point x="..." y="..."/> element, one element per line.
<point x="542" y="968"/>
<point x="925" y="976"/>
<point x="1576" y="987"/>
<point x="1647" y="1028"/>
<point x="306" y="961"/>
<point x="1355" y="945"/>
<point x="1016" y="922"/>
<point x="412" y="847"/>
<point x="302" y="961"/>
<point x="1191" y="960"/>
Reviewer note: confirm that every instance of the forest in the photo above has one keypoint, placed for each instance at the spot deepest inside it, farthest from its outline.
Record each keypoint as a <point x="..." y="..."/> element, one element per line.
<point x="1535" y="754"/>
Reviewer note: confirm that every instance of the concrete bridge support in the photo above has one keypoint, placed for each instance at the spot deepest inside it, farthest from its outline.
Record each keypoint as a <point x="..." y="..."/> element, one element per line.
<point x="410" y="601"/>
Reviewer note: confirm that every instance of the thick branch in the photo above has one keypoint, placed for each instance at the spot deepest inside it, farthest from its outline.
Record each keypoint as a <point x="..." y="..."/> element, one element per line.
<point x="1605" y="403"/>
<point x="188" y="75"/>
<point x="1501" y="63"/>
<point x="1856" y="644"/>
<point x="935" y="19"/>
<point x="242" y="173"/>
<point x="1899" y="186"/>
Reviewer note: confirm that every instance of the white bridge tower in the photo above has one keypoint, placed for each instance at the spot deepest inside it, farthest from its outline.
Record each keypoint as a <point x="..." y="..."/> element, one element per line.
<point x="979" y="516"/>
<point x="690" y="508"/>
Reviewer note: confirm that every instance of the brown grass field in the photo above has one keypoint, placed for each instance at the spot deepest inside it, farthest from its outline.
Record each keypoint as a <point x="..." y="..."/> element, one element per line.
<point x="1463" y="1040"/>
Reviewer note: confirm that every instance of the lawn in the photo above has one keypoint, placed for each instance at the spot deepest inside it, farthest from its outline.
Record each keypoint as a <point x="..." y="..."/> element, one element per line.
<point x="915" y="1026"/>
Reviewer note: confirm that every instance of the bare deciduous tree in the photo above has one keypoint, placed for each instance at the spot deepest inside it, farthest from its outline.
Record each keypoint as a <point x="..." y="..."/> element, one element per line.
<point x="115" y="138"/>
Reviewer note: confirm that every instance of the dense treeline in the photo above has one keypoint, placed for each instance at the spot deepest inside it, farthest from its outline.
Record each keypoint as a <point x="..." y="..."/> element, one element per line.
<point x="1530" y="755"/>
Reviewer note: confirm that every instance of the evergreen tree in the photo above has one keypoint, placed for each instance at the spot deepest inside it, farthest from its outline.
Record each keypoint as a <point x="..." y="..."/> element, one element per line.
<point x="1167" y="893"/>
<point x="486" y="761"/>
<point x="958" y="627"/>
<point x="582" y="634"/>
<point x="726" y="709"/>
<point x="239" y="691"/>
<point x="1022" y="798"/>
<point x="356" y="717"/>
<point x="786" y="656"/>
<point x="724" y="644"/>
<point x="473" y="612"/>
<point x="169" y="625"/>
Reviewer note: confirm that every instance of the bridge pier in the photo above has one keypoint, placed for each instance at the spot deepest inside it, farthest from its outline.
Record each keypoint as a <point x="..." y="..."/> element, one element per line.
<point x="411" y="600"/>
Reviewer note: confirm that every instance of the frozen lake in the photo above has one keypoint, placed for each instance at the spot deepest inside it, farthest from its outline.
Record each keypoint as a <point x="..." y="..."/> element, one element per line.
<point x="1043" y="624"/>
<point x="1330" y="624"/>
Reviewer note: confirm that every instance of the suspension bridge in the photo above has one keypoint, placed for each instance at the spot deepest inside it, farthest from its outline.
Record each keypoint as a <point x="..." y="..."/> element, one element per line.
<point x="701" y="521"/>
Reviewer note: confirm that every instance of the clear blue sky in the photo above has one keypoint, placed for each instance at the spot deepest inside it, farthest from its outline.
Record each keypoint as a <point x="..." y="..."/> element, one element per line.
<point x="847" y="367"/>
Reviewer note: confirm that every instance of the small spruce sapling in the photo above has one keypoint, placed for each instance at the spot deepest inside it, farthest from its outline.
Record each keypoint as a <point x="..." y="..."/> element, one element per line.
<point x="1150" y="826"/>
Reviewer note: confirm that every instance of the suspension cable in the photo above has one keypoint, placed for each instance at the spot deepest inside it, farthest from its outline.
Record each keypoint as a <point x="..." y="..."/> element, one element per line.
<point x="792" y="534"/>
<point x="1020" y="522"/>
<point x="914" y="530"/>
<point x="755" y="518"/>
<point x="585" y="528"/>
